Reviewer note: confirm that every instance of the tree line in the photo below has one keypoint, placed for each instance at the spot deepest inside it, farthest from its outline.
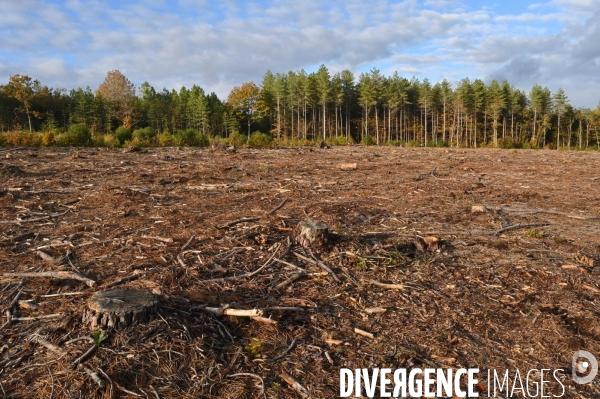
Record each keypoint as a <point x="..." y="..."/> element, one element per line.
<point x="298" y="106"/>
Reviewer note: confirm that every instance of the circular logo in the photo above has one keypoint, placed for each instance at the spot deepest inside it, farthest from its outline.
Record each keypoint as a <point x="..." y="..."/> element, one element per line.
<point x="590" y="365"/>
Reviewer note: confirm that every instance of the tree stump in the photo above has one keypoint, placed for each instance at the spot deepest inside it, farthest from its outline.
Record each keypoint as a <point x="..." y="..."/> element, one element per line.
<point x="311" y="234"/>
<point x="119" y="308"/>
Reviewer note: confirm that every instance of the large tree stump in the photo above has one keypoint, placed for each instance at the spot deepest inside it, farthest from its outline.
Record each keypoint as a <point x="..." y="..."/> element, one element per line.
<point x="119" y="308"/>
<point x="311" y="234"/>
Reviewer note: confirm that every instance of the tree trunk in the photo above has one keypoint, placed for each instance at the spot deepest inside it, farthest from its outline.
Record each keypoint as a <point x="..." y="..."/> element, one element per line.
<point x="324" y="134"/>
<point x="311" y="234"/>
<point x="558" y="133"/>
<point x="377" y="124"/>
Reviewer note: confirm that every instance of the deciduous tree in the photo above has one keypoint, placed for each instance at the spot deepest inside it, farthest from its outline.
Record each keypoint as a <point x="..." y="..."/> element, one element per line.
<point x="120" y="93"/>
<point x="244" y="101"/>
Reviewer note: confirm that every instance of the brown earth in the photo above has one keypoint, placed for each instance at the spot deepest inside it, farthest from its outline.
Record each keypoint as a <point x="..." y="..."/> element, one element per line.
<point x="466" y="293"/>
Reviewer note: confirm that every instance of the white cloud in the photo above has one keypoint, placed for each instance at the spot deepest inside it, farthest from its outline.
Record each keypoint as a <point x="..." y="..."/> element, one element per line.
<point x="221" y="45"/>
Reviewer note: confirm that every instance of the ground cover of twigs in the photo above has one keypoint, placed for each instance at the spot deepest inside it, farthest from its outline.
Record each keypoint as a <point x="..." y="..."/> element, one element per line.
<point x="436" y="258"/>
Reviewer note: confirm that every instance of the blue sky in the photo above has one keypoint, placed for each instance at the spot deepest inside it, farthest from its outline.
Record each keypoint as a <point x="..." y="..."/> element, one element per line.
<point x="220" y="44"/>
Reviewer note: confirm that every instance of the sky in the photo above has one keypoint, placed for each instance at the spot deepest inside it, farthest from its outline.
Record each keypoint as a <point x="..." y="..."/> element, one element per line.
<point x="221" y="44"/>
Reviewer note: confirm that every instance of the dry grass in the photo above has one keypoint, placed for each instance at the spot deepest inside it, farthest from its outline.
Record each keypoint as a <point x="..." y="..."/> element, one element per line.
<point x="514" y="300"/>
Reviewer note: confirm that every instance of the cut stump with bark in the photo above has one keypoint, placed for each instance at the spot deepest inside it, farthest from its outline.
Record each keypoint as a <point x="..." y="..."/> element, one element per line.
<point x="311" y="234"/>
<point x="119" y="308"/>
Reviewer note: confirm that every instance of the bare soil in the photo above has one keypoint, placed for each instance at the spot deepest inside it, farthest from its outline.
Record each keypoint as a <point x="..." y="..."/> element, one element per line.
<point x="462" y="290"/>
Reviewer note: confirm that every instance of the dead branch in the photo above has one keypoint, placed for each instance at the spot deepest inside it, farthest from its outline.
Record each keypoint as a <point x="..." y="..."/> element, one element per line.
<point x="234" y="312"/>
<point x="33" y="318"/>
<point x="86" y="355"/>
<point x="94" y="376"/>
<point x="290" y="280"/>
<point x="161" y="239"/>
<point x="517" y="226"/>
<point x="265" y="320"/>
<point x="45" y="256"/>
<point x="538" y="210"/>
<point x="14" y="301"/>
<point x="318" y="263"/>
<point x="278" y="207"/>
<point x="244" y="275"/>
<point x="230" y="224"/>
<point x="138" y="275"/>
<point x="289" y="264"/>
<point x="63" y="275"/>
<point x="54" y="215"/>
<point x="288" y="350"/>
<point x="385" y="285"/>
<point x="363" y="333"/>
<point x="375" y="310"/>
<point x="284" y="309"/>
<point x="61" y="294"/>
<point x="486" y="232"/>
<point x="17" y="288"/>
<point x="187" y="244"/>
<point x="294" y="384"/>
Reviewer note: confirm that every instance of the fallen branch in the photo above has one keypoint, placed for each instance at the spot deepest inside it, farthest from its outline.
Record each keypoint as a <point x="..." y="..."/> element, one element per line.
<point x="94" y="376"/>
<point x="234" y="312"/>
<point x="385" y="285"/>
<point x="518" y="226"/>
<point x="278" y="207"/>
<point x="363" y="333"/>
<point x="63" y="275"/>
<point x="54" y="215"/>
<point x="17" y="288"/>
<point x="14" y="301"/>
<point x="294" y="384"/>
<point x="187" y="244"/>
<point x="289" y="264"/>
<point x="320" y="264"/>
<point x="290" y="280"/>
<point x="288" y="350"/>
<point x="87" y="354"/>
<point x="264" y="320"/>
<point x="486" y="232"/>
<point x="161" y="239"/>
<point x="538" y="210"/>
<point x="244" y="275"/>
<point x="33" y="318"/>
<point x="45" y="256"/>
<point x="61" y="294"/>
<point x="138" y="275"/>
<point x="230" y="224"/>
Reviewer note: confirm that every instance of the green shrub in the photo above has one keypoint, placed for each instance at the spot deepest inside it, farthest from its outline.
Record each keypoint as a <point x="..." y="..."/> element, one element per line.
<point x="438" y="144"/>
<point x="144" y="134"/>
<point x="527" y="145"/>
<point x="368" y="140"/>
<point x="48" y="138"/>
<point x="123" y="134"/>
<point x="508" y="143"/>
<point x="78" y="135"/>
<point x="98" y="140"/>
<point x="191" y="138"/>
<point x="339" y="140"/>
<point x="237" y="139"/>
<point x="23" y="139"/>
<point x="166" y="140"/>
<point x="414" y="143"/>
<point x="3" y="139"/>
<point x="396" y="143"/>
<point x="259" y="139"/>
